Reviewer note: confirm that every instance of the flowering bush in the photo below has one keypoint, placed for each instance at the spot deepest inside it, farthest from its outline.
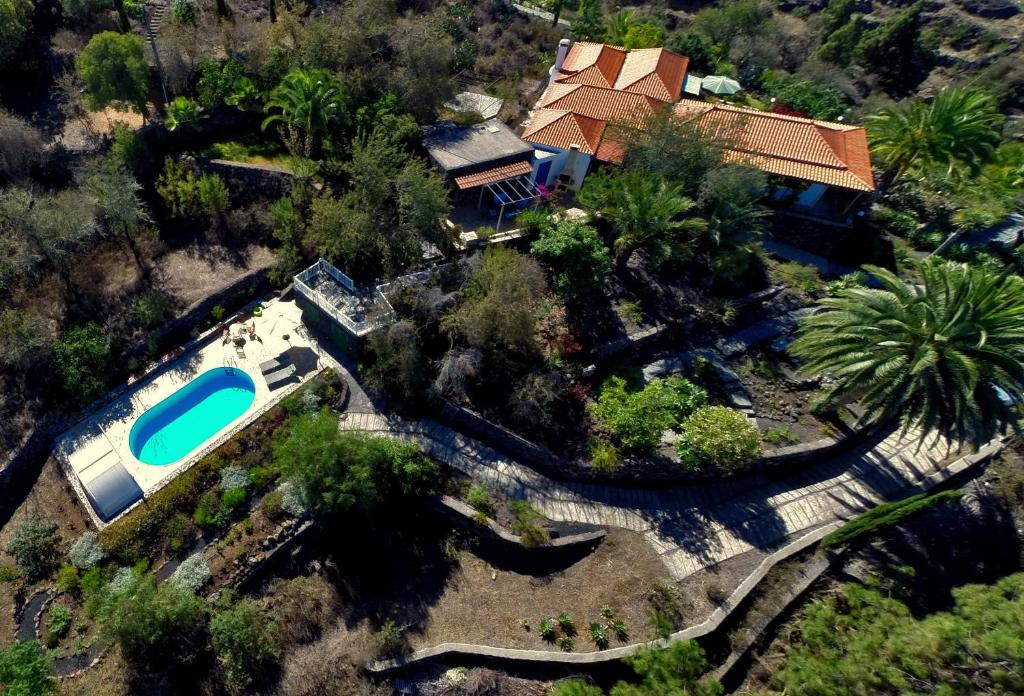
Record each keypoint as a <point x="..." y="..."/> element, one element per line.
<point x="719" y="437"/>
<point x="233" y="477"/>
<point x="192" y="573"/>
<point x="86" y="551"/>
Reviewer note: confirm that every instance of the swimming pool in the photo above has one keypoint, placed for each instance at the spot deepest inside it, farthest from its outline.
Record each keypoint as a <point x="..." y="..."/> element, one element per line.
<point x="186" y="419"/>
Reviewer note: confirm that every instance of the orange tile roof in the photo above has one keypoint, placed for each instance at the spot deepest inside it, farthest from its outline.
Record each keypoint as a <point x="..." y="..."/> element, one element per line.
<point x="592" y="64"/>
<point x="834" y="154"/>
<point x="601" y="103"/>
<point x="563" y="129"/>
<point x="489" y="176"/>
<point x="654" y="72"/>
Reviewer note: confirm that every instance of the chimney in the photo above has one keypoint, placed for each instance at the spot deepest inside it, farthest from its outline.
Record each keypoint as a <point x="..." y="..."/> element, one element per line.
<point x="563" y="49"/>
<point x="570" y="162"/>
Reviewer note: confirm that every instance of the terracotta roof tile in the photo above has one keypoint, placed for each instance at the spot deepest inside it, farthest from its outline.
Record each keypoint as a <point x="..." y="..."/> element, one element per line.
<point x="655" y="72"/>
<point x="835" y="154"/>
<point x="489" y="176"/>
<point x="601" y="103"/>
<point x="592" y="64"/>
<point x="563" y="129"/>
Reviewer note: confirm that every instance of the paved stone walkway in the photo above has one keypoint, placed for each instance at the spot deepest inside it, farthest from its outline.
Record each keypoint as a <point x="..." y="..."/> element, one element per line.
<point x="702" y="524"/>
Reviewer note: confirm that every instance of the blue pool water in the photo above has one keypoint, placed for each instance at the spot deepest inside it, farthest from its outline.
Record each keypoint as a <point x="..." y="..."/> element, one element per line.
<point x="190" y="416"/>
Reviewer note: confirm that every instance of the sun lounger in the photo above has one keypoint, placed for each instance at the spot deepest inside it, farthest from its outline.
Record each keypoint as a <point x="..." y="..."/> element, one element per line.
<point x="239" y="351"/>
<point x="276" y="379"/>
<point x="273" y="365"/>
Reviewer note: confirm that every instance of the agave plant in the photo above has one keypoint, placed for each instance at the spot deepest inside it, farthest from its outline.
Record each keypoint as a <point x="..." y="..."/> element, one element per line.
<point x="181" y="110"/>
<point x="945" y="355"/>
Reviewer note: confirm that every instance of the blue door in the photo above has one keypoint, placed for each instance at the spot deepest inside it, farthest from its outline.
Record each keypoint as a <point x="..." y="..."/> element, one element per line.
<point x="542" y="173"/>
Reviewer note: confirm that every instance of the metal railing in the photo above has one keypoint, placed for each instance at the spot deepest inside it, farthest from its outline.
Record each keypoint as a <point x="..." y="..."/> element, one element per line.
<point x="356" y="328"/>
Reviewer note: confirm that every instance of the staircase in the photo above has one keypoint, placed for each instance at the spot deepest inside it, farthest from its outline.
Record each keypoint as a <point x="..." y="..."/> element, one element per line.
<point x="156" y="13"/>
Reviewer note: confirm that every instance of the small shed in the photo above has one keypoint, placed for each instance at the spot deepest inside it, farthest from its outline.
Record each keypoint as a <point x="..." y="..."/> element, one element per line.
<point x="473" y="156"/>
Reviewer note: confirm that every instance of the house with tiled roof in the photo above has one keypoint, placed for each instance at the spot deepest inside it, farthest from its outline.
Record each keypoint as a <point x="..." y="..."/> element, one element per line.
<point x="594" y="87"/>
<point x="595" y="90"/>
<point x="807" y="158"/>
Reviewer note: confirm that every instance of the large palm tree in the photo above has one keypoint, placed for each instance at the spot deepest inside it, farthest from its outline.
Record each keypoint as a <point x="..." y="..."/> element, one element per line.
<point x="959" y="127"/>
<point x="646" y="213"/>
<point x="946" y="355"/>
<point x="309" y="103"/>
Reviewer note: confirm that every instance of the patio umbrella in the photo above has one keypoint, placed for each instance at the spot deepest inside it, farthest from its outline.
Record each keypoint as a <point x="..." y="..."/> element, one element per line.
<point x="719" y="84"/>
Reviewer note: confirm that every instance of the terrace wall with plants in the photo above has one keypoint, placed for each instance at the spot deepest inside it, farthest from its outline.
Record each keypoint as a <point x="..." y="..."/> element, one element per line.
<point x="633" y="471"/>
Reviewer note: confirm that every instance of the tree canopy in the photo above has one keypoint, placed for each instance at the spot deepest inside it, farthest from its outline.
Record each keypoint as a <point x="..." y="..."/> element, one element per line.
<point x="945" y="354"/>
<point x="114" y="69"/>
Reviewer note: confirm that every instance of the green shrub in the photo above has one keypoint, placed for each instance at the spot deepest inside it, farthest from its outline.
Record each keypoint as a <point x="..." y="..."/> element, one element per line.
<point x="576" y="255"/>
<point x="811" y="98"/>
<point x="885" y="516"/>
<point x="180" y="111"/>
<point x="619" y="629"/>
<point x="259" y="476"/>
<point x="83" y="361"/>
<point x="9" y="573"/>
<point x="547" y="630"/>
<point x="389" y="639"/>
<point x="34" y="547"/>
<point x="638" y="418"/>
<point x="719" y="437"/>
<point x="191" y="574"/>
<point x="598" y="635"/>
<point x="58" y="620"/>
<point x="566" y="644"/>
<point x="245" y="642"/>
<point x="176" y="531"/>
<point x="206" y="510"/>
<point x="480" y="499"/>
<point x="800" y="277"/>
<point x="86" y="551"/>
<point x="184" y="11"/>
<point x="271" y="505"/>
<point x="26" y="670"/>
<point x="565" y="622"/>
<point x="152" y="308"/>
<point x="604" y="456"/>
<point x="526" y="524"/>
<point x="67" y="578"/>
<point x="780" y="435"/>
<point x="233" y="499"/>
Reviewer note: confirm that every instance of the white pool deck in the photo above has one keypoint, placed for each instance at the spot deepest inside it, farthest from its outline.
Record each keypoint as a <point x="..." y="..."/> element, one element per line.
<point x="94" y="452"/>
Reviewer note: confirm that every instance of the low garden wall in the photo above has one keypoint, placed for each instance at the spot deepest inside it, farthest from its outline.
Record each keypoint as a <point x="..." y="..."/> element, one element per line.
<point x="250" y="182"/>
<point x="465" y="514"/>
<point x="637" y="472"/>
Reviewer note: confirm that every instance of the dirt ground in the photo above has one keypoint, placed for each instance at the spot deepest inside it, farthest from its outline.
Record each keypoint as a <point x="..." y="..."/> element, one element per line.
<point x="484" y="604"/>
<point x="52" y="499"/>
<point x="194" y="272"/>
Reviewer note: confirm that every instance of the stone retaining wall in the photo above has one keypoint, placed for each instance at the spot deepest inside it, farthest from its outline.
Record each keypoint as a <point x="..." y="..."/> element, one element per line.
<point x="455" y="509"/>
<point x="250" y="182"/>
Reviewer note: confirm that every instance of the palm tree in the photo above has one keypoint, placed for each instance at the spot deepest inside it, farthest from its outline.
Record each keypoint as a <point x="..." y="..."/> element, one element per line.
<point x="646" y="213"/>
<point x="309" y="103"/>
<point x="958" y="127"/>
<point x="946" y="355"/>
<point x="617" y="26"/>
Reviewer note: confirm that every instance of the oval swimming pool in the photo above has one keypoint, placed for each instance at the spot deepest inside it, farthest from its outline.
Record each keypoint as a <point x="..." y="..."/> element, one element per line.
<point x="190" y="416"/>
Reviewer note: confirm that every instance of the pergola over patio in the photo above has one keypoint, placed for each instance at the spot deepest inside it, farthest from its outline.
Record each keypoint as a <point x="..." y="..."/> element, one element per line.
<point x="517" y="191"/>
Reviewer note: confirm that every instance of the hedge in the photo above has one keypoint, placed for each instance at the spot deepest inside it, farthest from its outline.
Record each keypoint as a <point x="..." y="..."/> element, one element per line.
<point x="884" y="516"/>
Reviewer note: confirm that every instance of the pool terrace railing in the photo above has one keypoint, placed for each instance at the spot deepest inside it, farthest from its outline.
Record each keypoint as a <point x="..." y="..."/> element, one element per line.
<point x="382" y="315"/>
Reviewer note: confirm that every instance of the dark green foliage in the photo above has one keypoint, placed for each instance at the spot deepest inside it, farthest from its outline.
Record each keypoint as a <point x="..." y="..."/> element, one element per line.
<point x="812" y="99"/>
<point x="886" y="516"/>
<point x="34" y="547"/>
<point x="837" y="14"/>
<point x="83" y="360"/>
<point x="114" y="69"/>
<point x="343" y="473"/>
<point x="718" y="437"/>
<point x="527" y="524"/>
<point x="578" y="259"/>
<point x="671" y="671"/>
<point x="703" y="53"/>
<point x="153" y="624"/>
<point x="894" y="51"/>
<point x="15" y="21"/>
<point x="588" y="25"/>
<point x="308" y="104"/>
<point x="26" y="670"/>
<point x="480" y="498"/>
<point x="940" y="354"/>
<point x="638" y="418"/>
<point x="841" y="46"/>
<point x="225" y="83"/>
<point x="395" y="364"/>
<point x="23" y="339"/>
<point x="860" y="636"/>
<point x="245" y="642"/>
<point x="178" y="185"/>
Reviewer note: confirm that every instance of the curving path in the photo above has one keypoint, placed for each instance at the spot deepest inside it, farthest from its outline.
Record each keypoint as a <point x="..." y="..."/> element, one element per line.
<point x="698" y="525"/>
